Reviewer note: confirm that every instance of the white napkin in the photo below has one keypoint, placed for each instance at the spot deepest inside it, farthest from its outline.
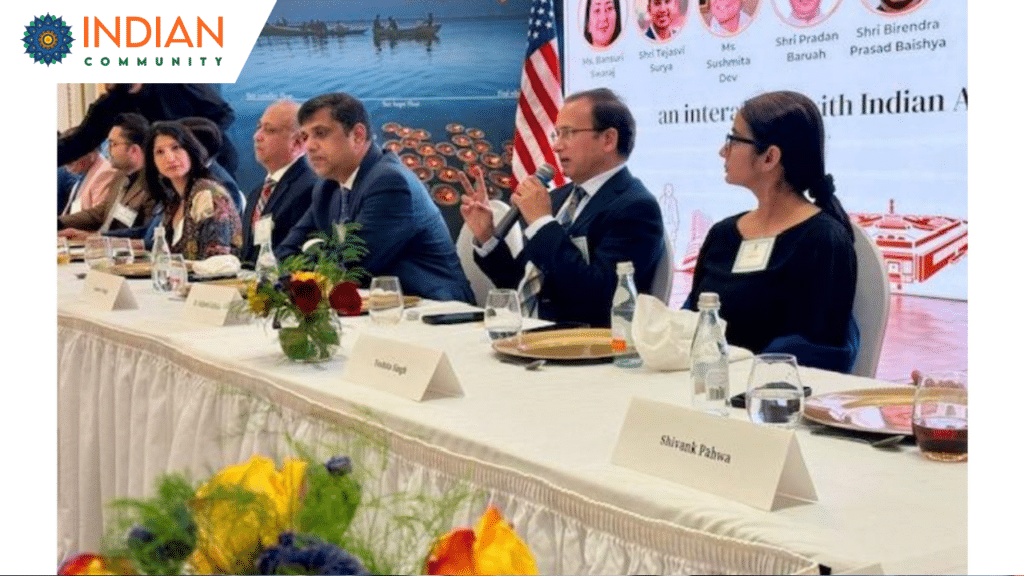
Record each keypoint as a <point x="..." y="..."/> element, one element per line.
<point x="223" y="265"/>
<point x="663" y="336"/>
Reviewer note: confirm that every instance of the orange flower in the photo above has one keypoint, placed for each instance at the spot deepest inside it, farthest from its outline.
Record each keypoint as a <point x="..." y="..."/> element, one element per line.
<point x="87" y="564"/>
<point x="492" y="547"/>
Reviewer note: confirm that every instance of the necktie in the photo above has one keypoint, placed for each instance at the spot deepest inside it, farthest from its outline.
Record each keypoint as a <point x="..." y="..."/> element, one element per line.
<point x="566" y="216"/>
<point x="532" y="276"/>
<point x="261" y="203"/>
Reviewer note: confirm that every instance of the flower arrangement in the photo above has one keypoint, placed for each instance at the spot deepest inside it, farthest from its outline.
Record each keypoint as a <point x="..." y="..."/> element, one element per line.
<point x="310" y="290"/>
<point x="253" y="518"/>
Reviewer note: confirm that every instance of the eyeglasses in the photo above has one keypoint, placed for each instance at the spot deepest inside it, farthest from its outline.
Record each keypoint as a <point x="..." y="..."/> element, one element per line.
<point x="730" y="138"/>
<point x="566" y="133"/>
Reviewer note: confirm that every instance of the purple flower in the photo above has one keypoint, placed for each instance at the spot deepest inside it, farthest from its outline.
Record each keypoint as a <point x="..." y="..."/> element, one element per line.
<point x="306" y="552"/>
<point x="339" y="465"/>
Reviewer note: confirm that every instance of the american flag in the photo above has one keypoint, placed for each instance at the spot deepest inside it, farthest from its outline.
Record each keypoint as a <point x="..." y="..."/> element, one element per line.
<point x="540" y="97"/>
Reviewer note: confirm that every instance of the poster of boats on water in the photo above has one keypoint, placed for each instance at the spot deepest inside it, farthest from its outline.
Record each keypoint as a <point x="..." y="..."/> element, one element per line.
<point x="439" y="79"/>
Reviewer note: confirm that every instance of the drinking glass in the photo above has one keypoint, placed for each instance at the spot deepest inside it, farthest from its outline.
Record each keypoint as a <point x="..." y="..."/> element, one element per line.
<point x="385" y="300"/>
<point x="63" y="251"/>
<point x="502" y="315"/>
<point x="97" y="252"/>
<point x="121" y="251"/>
<point x="939" y="419"/>
<point x="775" y="394"/>
<point x="177" y="273"/>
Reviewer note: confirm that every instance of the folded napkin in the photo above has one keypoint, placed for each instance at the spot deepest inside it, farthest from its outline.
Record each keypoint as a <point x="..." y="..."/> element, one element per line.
<point x="663" y="336"/>
<point x="224" y="265"/>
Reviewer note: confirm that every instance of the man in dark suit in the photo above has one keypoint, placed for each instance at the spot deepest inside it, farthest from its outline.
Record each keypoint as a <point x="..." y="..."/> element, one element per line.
<point x="286" y="192"/>
<point x="402" y="227"/>
<point x="575" y="244"/>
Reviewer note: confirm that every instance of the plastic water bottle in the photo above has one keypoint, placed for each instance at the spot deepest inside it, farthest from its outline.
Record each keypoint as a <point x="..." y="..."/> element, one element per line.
<point x="709" y="355"/>
<point x="623" y="306"/>
<point x="161" y="256"/>
<point x="266" y="263"/>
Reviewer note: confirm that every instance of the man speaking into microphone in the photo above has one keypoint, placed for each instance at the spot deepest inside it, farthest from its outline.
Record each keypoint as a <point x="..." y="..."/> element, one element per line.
<point x="575" y="234"/>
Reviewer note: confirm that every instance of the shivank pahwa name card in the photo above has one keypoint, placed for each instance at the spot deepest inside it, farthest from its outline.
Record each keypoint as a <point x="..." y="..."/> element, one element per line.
<point x="736" y="459"/>
<point x="108" y="291"/>
<point x="402" y="368"/>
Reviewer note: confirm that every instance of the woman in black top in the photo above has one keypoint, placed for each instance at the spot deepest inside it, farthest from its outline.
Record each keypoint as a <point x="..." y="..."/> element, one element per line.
<point x="785" y="272"/>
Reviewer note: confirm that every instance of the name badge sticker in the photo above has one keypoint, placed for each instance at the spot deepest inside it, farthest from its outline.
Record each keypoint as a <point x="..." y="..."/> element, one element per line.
<point x="753" y="255"/>
<point x="124" y="214"/>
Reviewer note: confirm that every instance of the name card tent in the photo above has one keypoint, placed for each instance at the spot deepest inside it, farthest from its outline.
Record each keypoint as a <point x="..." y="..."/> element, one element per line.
<point x="402" y="368"/>
<point x="757" y="465"/>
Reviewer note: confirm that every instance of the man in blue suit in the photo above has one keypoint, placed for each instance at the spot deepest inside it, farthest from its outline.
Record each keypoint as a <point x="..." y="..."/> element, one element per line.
<point x="575" y="234"/>
<point x="403" y="229"/>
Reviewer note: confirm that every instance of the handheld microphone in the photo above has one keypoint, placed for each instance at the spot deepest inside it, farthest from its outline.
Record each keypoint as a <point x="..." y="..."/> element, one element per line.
<point x="545" y="172"/>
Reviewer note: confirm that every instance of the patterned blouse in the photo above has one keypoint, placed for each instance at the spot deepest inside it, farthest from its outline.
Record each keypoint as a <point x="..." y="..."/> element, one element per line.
<point x="211" y="225"/>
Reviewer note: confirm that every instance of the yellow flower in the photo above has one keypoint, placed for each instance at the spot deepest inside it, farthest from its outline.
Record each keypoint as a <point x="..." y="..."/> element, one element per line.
<point x="232" y="529"/>
<point x="492" y="548"/>
<point x="320" y="280"/>
<point x="257" y="301"/>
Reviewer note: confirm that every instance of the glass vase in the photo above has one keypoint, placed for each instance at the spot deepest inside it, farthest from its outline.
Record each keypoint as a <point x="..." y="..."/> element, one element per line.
<point x="314" y="338"/>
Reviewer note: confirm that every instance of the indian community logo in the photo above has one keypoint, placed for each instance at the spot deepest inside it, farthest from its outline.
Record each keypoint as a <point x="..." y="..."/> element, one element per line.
<point x="47" y="39"/>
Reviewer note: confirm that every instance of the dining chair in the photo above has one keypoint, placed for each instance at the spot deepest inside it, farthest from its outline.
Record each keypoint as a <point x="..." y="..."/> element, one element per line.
<point x="479" y="281"/>
<point x="870" y="302"/>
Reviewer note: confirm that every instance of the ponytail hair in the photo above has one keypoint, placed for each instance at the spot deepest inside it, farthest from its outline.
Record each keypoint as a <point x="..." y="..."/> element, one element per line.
<point x="791" y="121"/>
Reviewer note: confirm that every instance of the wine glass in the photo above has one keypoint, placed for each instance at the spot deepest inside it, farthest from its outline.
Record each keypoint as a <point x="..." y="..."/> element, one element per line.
<point x="385" y="300"/>
<point x="121" y="251"/>
<point x="63" y="251"/>
<point x="502" y="315"/>
<point x="939" y="419"/>
<point x="97" y="252"/>
<point x="775" y="394"/>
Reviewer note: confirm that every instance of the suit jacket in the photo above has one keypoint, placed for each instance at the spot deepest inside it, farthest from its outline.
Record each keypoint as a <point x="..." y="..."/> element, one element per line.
<point x="129" y="190"/>
<point x="95" y="184"/>
<point x="621" y="222"/>
<point x="402" y="227"/>
<point x="287" y="203"/>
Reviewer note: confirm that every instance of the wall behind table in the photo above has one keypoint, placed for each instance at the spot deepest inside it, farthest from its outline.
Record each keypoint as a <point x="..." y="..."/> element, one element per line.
<point x="893" y="89"/>
<point x="441" y="101"/>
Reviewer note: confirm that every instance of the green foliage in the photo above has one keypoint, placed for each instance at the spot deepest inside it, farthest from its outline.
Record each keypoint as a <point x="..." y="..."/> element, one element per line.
<point x="333" y="257"/>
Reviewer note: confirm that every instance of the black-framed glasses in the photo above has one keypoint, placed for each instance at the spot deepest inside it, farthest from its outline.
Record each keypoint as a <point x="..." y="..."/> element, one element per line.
<point x="730" y="138"/>
<point x="566" y="133"/>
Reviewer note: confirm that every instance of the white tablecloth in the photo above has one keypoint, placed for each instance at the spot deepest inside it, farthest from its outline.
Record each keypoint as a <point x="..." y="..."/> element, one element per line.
<point x="142" y="392"/>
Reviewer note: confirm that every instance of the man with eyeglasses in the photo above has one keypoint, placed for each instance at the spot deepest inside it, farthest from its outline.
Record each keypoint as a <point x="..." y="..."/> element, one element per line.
<point x="576" y="234"/>
<point x="285" y="194"/>
<point x="127" y="207"/>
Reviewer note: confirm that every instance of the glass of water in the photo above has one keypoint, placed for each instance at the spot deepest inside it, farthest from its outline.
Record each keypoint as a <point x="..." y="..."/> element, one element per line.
<point x="502" y="315"/>
<point x="775" y="394"/>
<point x="385" y="300"/>
<point x="121" y="250"/>
<point x="97" y="252"/>
<point x="177" y="274"/>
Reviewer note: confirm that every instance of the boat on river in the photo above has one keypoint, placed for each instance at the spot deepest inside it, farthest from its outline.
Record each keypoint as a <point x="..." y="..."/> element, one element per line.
<point x="420" y="32"/>
<point x="315" y="29"/>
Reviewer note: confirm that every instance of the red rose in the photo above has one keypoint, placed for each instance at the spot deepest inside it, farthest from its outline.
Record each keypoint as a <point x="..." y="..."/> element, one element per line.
<point x="345" y="299"/>
<point x="306" y="295"/>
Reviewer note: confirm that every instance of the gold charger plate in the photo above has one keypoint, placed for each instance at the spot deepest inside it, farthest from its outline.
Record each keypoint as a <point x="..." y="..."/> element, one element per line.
<point x="407" y="302"/>
<point x="879" y="410"/>
<point x="572" y="344"/>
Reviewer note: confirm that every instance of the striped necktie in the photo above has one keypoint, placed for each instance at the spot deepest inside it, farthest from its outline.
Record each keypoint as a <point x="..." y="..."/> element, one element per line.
<point x="567" y="215"/>
<point x="261" y="203"/>
<point x="533" y="277"/>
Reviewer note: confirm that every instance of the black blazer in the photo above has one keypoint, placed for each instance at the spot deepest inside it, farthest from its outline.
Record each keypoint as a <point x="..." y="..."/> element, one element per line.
<point x="621" y="222"/>
<point x="288" y="202"/>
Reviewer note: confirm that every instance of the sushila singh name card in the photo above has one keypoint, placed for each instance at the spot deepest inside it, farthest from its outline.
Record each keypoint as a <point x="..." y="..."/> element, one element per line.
<point x="401" y="368"/>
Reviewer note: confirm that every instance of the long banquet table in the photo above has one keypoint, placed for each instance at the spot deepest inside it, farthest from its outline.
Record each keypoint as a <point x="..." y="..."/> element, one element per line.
<point x="143" y="392"/>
